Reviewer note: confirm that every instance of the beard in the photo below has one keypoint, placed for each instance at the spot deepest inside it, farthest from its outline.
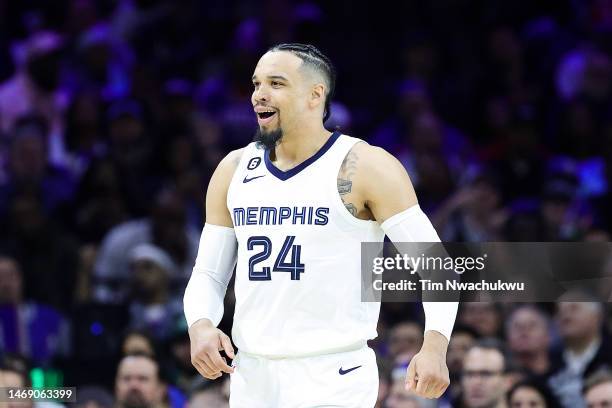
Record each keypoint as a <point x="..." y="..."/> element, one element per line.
<point x="135" y="399"/>
<point x="268" y="140"/>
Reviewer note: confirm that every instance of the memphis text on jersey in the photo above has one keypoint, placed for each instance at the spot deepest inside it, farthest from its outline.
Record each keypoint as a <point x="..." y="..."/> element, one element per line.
<point x="280" y="216"/>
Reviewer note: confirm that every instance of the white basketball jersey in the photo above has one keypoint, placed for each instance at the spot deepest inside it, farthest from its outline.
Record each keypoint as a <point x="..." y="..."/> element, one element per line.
<point x="298" y="276"/>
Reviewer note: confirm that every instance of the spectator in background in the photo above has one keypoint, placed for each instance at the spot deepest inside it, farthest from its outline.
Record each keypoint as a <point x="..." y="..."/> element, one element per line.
<point x="165" y="228"/>
<point x="405" y="341"/>
<point x="531" y="394"/>
<point x="34" y="89"/>
<point x="484" y="317"/>
<point x="138" y="383"/>
<point x="474" y="213"/>
<point x="178" y="364"/>
<point x="94" y="397"/>
<point x="28" y="168"/>
<point x="483" y="381"/>
<point x="99" y="204"/>
<point x="48" y="256"/>
<point x="399" y="397"/>
<point x="84" y="141"/>
<point x="14" y="374"/>
<point x="209" y="395"/>
<point x="27" y="327"/>
<point x="131" y="145"/>
<point x="585" y="349"/>
<point x="138" y="342"/>
<point x="152" y="308"/>
<point x="462" y="339"/>
<point x="560" y="221"/>
<point x="528" y="338"/>
<point x="598" y="390"/>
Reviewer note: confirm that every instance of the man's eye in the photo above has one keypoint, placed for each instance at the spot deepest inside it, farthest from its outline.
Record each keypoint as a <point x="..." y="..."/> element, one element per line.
<point x="275" y="83"/>
<point x="255" y="84"/>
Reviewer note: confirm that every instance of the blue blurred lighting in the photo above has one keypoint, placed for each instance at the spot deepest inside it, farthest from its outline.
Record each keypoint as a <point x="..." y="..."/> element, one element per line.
<point x="96" y="328"/>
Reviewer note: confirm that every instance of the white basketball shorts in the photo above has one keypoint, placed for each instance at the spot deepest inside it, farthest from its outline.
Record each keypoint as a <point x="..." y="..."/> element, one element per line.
<point x="347" y="379"/>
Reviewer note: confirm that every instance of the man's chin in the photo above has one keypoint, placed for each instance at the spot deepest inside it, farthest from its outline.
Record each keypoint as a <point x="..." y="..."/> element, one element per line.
<point x="268" y="138"/>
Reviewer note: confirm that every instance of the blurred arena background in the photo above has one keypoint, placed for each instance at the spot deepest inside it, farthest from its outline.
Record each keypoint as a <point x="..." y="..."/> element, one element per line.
<point x="113" y="114"/>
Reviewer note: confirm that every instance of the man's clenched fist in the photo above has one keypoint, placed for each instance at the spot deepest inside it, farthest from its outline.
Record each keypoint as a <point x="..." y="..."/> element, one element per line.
<point x="206" y="342"/>
<point x="427" y="373"/>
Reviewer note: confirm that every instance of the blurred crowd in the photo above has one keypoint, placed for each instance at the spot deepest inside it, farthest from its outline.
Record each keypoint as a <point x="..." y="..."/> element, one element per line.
<point x="114" y="113"/>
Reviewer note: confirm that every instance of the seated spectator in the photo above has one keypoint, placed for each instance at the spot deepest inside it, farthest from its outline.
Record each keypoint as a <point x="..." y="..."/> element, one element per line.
<point x="29" y="169"/>
<point x="94" y="397"/>
<point x="528" y="337"/>
<point x="585" y="349"/>
<point x="138" y="342"/>
<point x="405" y="341"/>
<point x="138" y="383"/>
<point x="47" y="254"/>
<point x="598" y="390"/>
<point x="484" y="317"/>
<point x="26" y="327"/>
<point x="483" y="380"/>
<point x="474" y="213"/>
<point x="151" y="306"/>
<point x="14" y="374"/>
<point x="165" y="228"/>
<point x="462" y="339"/>
<point x="35" y="87"/>
<point x="210" y="395"/>
<point x="531" y="394"/>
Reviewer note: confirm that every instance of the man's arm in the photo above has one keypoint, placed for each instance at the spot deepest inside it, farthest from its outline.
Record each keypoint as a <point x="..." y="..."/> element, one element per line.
<point x="203" y="300"/>
<point x="383" y="186"/>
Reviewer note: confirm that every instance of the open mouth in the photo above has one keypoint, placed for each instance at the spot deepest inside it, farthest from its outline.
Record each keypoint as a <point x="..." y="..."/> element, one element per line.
<point x="264" y="117"/>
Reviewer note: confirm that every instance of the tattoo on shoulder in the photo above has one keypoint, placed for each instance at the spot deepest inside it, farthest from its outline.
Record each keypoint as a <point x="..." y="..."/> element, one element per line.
<point x="345" y="185"/>
<point x="351" y="208"/>
<point x="349" y="165"/>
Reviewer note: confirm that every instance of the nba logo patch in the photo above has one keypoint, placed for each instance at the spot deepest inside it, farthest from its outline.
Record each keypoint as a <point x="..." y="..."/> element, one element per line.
<point x="253" y="163"/>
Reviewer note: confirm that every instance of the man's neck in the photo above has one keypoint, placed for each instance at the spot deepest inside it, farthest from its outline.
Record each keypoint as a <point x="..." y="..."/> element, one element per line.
<point x="579" y="346"/>
<point x="297" y="146"/>
<point x="537" y="361"/>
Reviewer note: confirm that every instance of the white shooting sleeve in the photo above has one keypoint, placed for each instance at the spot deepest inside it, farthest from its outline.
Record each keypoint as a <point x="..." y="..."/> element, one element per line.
<point x="211" y="273"/>
<point x="412" y="225"/>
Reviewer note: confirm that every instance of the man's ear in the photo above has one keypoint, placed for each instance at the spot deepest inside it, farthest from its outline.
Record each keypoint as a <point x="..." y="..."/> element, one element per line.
<point x="317" y="95"/>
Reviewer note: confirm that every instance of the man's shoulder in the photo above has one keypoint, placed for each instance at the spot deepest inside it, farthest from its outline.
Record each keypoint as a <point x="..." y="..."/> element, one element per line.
<point x="368" y="157"/>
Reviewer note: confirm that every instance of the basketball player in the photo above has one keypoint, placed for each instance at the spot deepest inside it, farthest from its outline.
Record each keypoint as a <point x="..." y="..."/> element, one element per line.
<point x="292" y="209"/>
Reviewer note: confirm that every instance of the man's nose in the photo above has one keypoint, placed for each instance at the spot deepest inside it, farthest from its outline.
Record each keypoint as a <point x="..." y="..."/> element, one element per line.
<point x="261" y="95"/>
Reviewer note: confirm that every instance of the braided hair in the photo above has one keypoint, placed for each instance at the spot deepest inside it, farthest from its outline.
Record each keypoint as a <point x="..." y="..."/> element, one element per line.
<point x="311" y="56"/>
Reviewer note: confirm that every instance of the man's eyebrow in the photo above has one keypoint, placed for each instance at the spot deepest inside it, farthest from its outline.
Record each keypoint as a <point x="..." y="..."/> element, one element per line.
<point x="282" y="78"/>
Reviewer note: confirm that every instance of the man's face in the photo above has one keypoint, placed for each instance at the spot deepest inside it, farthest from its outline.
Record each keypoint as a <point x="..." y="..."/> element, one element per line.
<point x="600" y="396"/>
<point x="577" y="319"/>
<point x="281" y="92"/>
<point x="399" y="397"/>
<point x="10" y="282"/>
<point x="406" y="338"/>
<point x="528" y="332"/>
<point x="526" y="397"/>
<point x="458" y="346"/>
<point x="483" y="381"/>
<point x="13" y="380"/>
<point x="137" y="384"/>
<point x="482" y="316"/>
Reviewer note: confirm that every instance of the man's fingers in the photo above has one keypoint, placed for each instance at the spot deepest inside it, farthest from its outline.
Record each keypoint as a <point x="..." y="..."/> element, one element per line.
<point x="421" y="386"/>
<point x="219" y="363"/>
<point x="204" y="369"/>
<point x="411" y="381"/>
<point x="207" y="365"/>
<point x="226" y="343"/>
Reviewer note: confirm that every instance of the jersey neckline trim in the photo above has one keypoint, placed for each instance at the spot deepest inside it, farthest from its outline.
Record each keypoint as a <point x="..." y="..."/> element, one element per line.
<point x="284" y="175"/>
